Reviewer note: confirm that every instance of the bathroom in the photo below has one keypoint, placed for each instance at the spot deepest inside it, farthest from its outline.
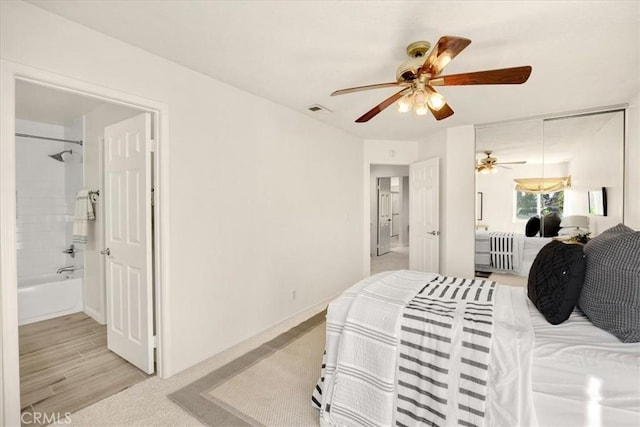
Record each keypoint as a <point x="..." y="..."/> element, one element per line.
<point x="60" y="150"/>
<point x="49" y="173"/>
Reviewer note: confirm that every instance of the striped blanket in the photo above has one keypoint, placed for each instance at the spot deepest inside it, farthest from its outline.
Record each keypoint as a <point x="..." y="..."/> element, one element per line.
<point x="445" y="345"/>
<point x="407" y="348"/>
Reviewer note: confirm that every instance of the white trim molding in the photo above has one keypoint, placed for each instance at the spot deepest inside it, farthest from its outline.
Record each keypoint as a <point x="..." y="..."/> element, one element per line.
<point x="10" y="72"/>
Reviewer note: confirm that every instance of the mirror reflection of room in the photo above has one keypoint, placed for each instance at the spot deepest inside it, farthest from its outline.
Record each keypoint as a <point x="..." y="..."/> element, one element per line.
<point x="545" y="179"/>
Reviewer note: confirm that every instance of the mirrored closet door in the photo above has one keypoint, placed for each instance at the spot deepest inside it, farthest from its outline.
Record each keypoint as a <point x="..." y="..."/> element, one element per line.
<point x="544" y="179"/>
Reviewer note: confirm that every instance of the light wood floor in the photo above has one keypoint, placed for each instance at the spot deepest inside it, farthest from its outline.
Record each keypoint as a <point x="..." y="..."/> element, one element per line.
<point x="65" y="366"/>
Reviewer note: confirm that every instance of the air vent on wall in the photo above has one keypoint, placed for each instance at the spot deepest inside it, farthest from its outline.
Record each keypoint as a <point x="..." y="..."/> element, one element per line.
<point x="317" y="107"/>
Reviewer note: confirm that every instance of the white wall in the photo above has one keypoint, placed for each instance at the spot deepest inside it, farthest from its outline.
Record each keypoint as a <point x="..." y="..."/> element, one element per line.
<point x="434" y="145"/>
<point x="264" y="200"/>
<point x="459" y="220"/>
<point x="597" y="163"/>
<point x="632" y="169"/>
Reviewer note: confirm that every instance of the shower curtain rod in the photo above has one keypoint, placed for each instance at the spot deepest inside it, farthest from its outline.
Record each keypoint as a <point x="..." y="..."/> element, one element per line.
<point x="26" y="135"/>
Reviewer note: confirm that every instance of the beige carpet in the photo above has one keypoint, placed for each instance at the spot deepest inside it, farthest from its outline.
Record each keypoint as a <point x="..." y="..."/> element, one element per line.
<point x="396" y="259"/>
<point x="146" y="403"/>
<point x="509" y="279"/>
<point x="244" y="393"/>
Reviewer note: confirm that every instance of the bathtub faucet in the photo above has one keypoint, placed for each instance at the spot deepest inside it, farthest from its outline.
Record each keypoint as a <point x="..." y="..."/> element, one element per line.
<point x="70" y="268"/>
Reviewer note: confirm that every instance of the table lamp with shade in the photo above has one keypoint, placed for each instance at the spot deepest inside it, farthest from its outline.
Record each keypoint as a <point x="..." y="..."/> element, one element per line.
<point x="572" y="225"/>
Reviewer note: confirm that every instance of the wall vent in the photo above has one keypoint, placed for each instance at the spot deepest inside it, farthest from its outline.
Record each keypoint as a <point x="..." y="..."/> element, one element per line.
<point x="317" y="107"/>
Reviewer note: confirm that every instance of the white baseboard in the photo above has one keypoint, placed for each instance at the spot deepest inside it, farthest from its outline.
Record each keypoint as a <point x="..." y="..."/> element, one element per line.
<point x="266" y="335"/>
<point x="98" y="317"/>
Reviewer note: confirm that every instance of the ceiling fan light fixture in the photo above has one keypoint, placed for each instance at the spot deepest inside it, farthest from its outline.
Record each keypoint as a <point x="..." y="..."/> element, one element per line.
<point x="419" y="97"/>
<point x="405" y="104"/>
<point x="436" y="101"/>
<point x="420" y="109"/>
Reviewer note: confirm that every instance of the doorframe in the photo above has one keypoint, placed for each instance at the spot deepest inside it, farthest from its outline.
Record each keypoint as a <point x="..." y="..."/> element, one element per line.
<point x="9" y="360"/>
<point x="366" y="259"/>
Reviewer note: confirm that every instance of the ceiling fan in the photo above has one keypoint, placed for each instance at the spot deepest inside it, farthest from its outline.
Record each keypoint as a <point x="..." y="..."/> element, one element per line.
<point x="417" y="77"/>
<point x="490" y="164"/>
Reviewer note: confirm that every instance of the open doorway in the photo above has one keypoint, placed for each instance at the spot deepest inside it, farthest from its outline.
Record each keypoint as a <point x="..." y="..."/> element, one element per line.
<point x="389" y="217"/>
<point x="73" y="200"/>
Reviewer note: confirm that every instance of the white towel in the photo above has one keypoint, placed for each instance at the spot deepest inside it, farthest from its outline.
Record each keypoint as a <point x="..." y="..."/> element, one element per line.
<point x="83" y="214"/>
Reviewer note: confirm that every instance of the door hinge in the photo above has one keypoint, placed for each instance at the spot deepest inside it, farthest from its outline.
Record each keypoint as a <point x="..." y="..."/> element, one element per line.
<point x="153" y="145"/>
<point x="155" y="341"/>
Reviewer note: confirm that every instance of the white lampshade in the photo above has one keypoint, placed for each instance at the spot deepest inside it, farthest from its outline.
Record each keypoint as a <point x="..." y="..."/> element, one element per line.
<point x="575" y="221"/>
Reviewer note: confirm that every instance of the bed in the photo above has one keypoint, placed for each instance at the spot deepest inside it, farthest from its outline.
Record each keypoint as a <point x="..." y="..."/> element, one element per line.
<point x="407" y="348"/>
<point x="507" y="253"/>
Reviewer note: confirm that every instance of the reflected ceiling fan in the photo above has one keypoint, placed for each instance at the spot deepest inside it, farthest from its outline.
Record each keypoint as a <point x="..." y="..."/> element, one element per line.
<point x="417" y="76"/>
<point x="490" y="164"/>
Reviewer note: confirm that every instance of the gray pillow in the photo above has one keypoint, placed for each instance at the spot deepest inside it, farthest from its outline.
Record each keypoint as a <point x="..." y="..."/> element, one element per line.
<point x="610" y="294"/>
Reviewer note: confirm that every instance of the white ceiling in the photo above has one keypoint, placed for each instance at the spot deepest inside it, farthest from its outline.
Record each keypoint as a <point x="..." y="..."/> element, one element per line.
<point x="295" y="53"/>
<point x="47" y="105"/>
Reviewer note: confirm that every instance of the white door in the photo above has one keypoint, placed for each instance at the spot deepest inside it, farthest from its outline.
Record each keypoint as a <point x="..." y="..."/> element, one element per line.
<point x="424" y="220"/>
<point x="395" y="214"/>
<point x="127" y="198"/>
<point x="384" y="215"/>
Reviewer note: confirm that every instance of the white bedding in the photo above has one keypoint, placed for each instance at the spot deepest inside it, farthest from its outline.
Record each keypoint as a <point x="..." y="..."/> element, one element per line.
<point x="582" y="375"/>
<point x="509" y="401"/>
<point x="572" y="374"/>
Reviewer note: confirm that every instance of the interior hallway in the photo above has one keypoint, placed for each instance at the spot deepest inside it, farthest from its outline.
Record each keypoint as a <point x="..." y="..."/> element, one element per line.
<point x="396" y="259"/>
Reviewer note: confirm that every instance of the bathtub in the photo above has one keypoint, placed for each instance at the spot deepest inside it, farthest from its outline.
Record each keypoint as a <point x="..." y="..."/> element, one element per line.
<point x="47" y="297"/>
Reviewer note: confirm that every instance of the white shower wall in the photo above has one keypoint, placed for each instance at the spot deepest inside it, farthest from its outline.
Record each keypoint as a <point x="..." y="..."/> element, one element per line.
<point x="73" y="168"/>
<point x="44" y="198"/>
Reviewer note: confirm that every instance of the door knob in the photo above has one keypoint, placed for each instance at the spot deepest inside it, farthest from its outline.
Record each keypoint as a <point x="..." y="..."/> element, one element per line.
<point x="106" y="252"/>
<point x="434" y="233"/>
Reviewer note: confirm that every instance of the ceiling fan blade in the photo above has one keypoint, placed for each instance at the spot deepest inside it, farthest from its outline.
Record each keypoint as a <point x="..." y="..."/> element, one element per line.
<point x="503" y="167"/>
<point x="447" y="48"/>
<point x="378" y="108"/>
<point x="522" y="162"/>
<point x="367" y="87"/>
<point x="444" y="112"/>
<point x="503" y="76"/>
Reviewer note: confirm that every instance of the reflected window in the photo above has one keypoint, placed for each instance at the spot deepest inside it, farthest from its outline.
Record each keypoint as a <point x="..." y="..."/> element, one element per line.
<point x="528" y="205"/>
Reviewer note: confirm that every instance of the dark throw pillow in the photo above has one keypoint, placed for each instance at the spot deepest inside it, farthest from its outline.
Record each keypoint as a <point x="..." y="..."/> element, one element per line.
<point x="555" y="280"/>
<point x="533" y="226"/>
<point x="611" y="292"/>
<point x="550" y="225"/>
